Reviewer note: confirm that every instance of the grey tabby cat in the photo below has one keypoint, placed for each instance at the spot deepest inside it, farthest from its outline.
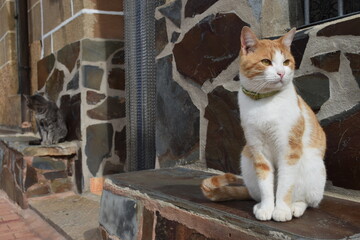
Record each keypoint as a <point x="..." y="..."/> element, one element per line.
<point x="49" y="119"/>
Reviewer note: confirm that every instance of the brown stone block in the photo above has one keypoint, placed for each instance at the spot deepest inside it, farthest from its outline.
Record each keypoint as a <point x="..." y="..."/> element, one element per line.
<point x="44" y="68"/>
<point x="147" y="224"/>
<point x="55" y="12"/>
<point x="34" y="17"/>
<point x="72" y="32"/>
<point x="89" y="26"/>
<point x="7" y="13"/>
<point x="2" y="52"/>
<point x="10" y="47"/>
<point x="31" y="3"/>
<point x="329" y="62"/>
<point x="104" y="26"/>
<point x="225" y="137"/>
<point x="343" y="148"/>
<point x="113" y="5"/>
<point x="341" y="28"/>
<point x="35" y="54"/>
<point x="47" y="46"/>
<point x="9" y="98"/>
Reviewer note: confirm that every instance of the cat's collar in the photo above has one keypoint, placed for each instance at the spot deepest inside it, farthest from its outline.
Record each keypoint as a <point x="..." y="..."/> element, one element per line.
<point x="257" y="96"/>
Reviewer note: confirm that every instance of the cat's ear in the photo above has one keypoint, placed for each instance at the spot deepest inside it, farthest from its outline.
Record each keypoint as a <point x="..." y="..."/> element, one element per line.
<point x="248" y="40"/>
<point x="288" y="38"/>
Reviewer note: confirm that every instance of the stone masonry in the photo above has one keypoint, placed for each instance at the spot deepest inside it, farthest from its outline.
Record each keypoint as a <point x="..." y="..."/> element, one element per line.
<point x="197" y="43"/>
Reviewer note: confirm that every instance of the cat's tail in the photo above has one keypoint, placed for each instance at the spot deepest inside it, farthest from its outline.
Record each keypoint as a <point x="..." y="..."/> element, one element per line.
<point x="217" y="188"/>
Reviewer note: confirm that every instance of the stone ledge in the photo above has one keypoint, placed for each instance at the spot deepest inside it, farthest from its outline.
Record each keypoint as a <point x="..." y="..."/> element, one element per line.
<point x="168" y="204"/>
<point x="60" y="149"/>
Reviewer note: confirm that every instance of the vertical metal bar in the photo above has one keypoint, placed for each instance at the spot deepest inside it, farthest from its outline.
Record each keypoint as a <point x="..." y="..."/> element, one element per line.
<point x="340" y="8"/>
<point x="307" y="12"/>
<point x="140" y="83"/>
<point x="23" y="56"/>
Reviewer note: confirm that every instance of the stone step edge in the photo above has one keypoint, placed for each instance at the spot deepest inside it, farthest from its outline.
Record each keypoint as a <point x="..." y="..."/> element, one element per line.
<point x="251" y="227"/>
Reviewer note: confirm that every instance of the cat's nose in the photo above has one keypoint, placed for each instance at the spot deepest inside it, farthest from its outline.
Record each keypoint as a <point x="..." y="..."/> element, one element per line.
<point x="281" y="74"/>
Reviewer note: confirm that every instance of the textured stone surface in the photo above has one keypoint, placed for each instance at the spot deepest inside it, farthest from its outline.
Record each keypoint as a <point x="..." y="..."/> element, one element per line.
<point x="60" y="149"/>
<point x="194" y="7"/>
<point x="116" y="79"/>
<point x="174" y="36"/>
<point x="92" y="76"/>
<point x="161" y="38"/>
<point x="31" y="177"/>
<point x="56" y="12"/>
<point x="93" y="98"/>
<point x="54" y="85"/>
<point x="60" y="185"/>
<point x="74" y="83"/>
<point x="94" y="51"/>
<point x="167" y="229"/>
<point x="329" y="62"/>
<point x="298" y="47"/>
<point x="54" y="175"/>
<point x="110" y="168"/>
<point x="111" y="108"/>
<point x="38" y="190"/>
<point x="225" y="137"/>
<point x="343" y="148"/>
<point x="341" y="28"/>
<point x="70" y="107"/>
<point x="120" y="145"/>
<point x="314" y="89"/>
<point x="11" y="179"/>
<point x="98" y="145"/>
<point x="44" y="68"/>
<point x="208" y="48"/>
<point x="48" y="163"/>
<point x="121" y="220"/>
<point x="119" y="57"/>
<point x="172" y="11"/>
<point x="177" y="125"/>
<point x="68" y="55"/>
<point x="355" y="65"/>
<point x="334" y="219"/>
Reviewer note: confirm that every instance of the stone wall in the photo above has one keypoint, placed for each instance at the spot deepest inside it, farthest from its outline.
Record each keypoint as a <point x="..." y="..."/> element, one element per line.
<point x="86" y="79"/>
<point x="197" y="65"/>
<point x="10" y="102"/>
<point x="77" y="61"/>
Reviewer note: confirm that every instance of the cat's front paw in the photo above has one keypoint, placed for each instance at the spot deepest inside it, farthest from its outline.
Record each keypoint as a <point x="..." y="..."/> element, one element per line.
<point x="282" y="214"/>
<point x="263" y="212"/>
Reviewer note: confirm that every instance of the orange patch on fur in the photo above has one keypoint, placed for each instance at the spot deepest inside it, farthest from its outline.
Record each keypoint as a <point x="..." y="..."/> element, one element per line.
<point x="215" y="181"/>
<point x="295" y="141"/>
<point x="250" y="64"/>
<point x="262" y="169"/>
<point x="288" y="196"/>
<point x="317" y="135"/>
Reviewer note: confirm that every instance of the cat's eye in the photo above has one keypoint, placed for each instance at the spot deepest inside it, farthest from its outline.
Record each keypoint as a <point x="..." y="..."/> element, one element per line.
<point x="266" y="62"/>
<point x="286" y="62"/>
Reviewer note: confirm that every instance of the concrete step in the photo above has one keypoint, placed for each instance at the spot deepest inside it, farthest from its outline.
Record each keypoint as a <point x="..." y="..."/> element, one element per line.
<point x="167" y="204"/>
<point x="74" y="216"/>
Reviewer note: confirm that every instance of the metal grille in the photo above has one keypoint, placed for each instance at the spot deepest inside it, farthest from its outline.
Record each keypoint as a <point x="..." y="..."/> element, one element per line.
<point x="140" y="83"/>
<point x="316" y="11"/>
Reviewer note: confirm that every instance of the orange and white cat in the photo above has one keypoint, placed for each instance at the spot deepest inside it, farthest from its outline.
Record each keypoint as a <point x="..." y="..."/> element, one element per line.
<point x="282" y="162"/>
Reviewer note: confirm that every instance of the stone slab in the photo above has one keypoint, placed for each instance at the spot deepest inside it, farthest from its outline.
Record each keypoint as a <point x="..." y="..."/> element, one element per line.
<point x="61" y="149"/>
<point x="179" y="187"/>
